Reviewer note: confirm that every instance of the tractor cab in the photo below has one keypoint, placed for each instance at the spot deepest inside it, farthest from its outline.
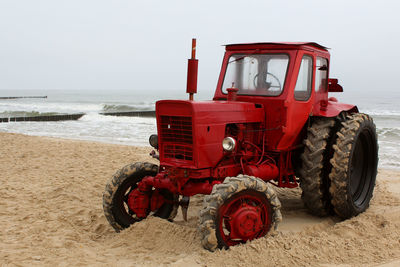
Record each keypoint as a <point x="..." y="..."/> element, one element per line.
<point x="270" y="69"/>
<point x="290" y="81"/>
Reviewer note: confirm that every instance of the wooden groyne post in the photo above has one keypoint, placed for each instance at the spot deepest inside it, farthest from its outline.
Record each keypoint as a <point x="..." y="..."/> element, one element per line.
<point x="148" y="114"/>
<point x="18" y="97"/>
<point x="62" y="117"/>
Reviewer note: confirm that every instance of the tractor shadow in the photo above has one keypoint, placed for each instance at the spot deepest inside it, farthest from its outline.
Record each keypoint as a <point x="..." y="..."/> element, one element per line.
<point x="295" y="216"/>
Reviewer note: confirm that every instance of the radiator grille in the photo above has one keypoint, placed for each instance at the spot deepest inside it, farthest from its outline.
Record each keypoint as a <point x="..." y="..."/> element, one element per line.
<point x="177" y="137"/>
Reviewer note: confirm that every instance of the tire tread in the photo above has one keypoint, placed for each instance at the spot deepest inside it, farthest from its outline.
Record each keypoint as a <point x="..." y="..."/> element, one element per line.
<point x="220" y="193"/>
<point x="312" y="177"/>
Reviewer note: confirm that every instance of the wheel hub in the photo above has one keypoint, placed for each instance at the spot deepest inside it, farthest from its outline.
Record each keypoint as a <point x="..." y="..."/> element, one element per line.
<point x="246" y="222"/>
<point x="139" y="203"/>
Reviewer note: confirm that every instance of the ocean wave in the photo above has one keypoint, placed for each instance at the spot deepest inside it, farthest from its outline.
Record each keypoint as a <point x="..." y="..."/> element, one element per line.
<point x="381" y="112"/>
<point x="392" y="134"/>
<point x="125" y="108"/>
<point x="389" y="153"/>
<point x="92" y="117"/>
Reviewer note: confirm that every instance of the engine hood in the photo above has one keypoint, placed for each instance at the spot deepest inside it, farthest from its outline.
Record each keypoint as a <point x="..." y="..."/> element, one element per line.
<point x="212" y="111"/>
<point x="191" y="133"/>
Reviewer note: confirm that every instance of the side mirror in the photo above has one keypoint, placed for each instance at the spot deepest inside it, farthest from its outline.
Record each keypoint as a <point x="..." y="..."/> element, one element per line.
<point x="333" y="86"/>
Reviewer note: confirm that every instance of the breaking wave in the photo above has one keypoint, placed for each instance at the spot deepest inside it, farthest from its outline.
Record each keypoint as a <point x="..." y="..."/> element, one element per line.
<point x="142" y="106"/>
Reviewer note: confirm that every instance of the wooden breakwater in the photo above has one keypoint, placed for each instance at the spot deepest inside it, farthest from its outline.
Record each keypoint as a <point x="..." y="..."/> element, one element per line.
<point x="18" y="97"/>
<point x="67" y="117"/>
<point x="131" y="114"/>
<point x="61" y="117"/>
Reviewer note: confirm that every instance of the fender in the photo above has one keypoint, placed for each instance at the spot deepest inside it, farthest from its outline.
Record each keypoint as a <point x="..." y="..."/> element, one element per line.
<point x="332" y="108"/>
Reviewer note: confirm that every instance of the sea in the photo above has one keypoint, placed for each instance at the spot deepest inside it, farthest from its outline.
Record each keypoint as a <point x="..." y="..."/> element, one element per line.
<point x="135" y="131"/>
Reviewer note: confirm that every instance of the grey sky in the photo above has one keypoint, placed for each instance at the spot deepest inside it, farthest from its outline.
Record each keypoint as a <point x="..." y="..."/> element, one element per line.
<point x="144" y="45"/>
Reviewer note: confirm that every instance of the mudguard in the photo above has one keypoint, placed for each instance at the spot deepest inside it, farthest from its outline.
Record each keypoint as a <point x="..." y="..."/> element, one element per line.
<point x="333" y="108"/>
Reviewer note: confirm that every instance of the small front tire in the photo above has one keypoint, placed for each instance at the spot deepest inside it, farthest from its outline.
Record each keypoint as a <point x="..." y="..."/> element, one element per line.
<point x="115" y="197"/>
<point x="240" y="209"/>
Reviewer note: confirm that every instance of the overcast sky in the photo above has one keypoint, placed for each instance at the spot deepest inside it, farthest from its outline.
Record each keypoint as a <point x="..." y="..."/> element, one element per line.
<point x="143" y="46"/>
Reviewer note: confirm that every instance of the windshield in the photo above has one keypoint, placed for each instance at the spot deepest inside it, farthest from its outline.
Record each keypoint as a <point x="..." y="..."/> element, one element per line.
<point x="261" y="74"/>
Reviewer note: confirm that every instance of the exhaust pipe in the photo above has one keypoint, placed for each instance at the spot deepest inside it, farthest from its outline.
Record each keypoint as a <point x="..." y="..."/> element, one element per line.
<point x="191" y="87"/>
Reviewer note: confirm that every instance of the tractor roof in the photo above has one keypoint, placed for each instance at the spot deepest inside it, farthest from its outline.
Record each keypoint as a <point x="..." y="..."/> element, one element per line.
<point x="272" y="45"/>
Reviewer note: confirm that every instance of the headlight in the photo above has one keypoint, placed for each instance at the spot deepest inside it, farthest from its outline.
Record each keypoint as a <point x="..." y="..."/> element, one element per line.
<point x="229" y="144"/>
<point x="153" y="140"/>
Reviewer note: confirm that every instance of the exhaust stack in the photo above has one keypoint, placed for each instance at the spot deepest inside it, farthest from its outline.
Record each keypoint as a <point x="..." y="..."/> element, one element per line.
<point x="191" y="87"/>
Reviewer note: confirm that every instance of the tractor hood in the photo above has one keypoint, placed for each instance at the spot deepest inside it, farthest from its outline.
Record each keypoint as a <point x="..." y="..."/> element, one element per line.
<point x="191" y="132"/>
<point x="212" y="111"/>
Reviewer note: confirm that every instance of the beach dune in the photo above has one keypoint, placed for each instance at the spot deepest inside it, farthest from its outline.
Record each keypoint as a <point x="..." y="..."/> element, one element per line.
<point x="51" y="215"/>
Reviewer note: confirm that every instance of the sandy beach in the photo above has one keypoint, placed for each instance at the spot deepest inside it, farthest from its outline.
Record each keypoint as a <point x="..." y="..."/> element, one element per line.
<point x="51" y="215"/>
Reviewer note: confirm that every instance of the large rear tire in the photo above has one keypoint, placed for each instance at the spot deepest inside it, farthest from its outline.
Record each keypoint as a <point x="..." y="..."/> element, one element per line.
<point x="115" y="197"/>
<point x="240" y="209"/>
<point x="354" y="166"/>
<point x="314" y="172"/>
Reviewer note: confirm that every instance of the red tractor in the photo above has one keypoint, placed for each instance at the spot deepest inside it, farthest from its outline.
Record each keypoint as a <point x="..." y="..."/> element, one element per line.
<point x="270" y="123"/>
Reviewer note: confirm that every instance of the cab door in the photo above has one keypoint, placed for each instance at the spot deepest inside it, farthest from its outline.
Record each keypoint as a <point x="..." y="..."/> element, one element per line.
<point x="299" y="103"/>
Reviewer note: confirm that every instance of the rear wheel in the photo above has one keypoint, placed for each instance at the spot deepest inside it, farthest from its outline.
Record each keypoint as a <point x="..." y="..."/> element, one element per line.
<point x="116" y="194"/>
<point x="354" y="166"/>
<point x="314" y="172"/>
<point x="240" y="209"/>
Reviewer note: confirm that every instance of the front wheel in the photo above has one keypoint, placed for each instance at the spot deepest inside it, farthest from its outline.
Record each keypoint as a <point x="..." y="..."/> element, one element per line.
<point x="240" y="209"/>
<point x="354" y="166"/>
<point x="116" y="194"/>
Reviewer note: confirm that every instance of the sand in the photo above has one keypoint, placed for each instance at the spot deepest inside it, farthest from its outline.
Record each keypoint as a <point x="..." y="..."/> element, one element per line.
<point x="51" y="215"/>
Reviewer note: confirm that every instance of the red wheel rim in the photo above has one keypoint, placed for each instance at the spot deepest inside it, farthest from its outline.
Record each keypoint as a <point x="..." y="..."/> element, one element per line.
<point x="244" y="216"/>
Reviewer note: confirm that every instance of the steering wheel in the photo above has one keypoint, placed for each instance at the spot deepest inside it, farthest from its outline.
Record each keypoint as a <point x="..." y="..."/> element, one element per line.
<point x="279" y="86"/>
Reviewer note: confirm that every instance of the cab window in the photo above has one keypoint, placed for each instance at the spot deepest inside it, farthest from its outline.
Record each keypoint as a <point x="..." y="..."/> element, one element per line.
<point x="302" y="91"/>
<point x="260" y="74"/>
